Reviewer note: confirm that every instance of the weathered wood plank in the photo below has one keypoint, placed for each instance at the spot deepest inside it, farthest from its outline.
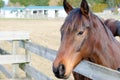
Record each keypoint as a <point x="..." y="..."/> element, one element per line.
<point x="97" y="72"/>
<point x="91" y="70"/>
<point x="15" y="67"/>
<point x="34" y="73"/>
<point x="28" y="57"/>
<point x="47" y="53"/>
<point x="86" y="68"/>
<point x="14" y="35"/>
<point x="13" y="59"/>
<point x="5" y="71"/>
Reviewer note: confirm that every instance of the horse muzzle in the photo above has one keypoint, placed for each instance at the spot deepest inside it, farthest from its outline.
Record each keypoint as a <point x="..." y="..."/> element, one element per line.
<point x="59" y="72"/>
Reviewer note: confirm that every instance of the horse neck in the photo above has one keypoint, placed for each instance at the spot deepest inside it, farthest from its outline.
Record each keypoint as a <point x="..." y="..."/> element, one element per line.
<point x="103" y="48"/>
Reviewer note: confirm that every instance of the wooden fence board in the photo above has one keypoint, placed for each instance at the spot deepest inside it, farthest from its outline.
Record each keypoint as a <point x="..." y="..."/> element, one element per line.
<point x="97" y="72"/>
<point x="28" y="57"/>
<point x="15" y="67"/>
<point x="5" y="71"/>
<point x="91" y="70"/>
<point x="34" y="73"/>
<point x="31" y="71"/>
<point x="14" y="35"/>
<point x="47" y="53"/>
<point x="86" y="68"/>
<point x="13" y="59"/>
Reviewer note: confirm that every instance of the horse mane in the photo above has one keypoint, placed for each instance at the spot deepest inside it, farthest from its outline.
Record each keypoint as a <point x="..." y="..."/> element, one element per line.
<point x="107" y="30"/>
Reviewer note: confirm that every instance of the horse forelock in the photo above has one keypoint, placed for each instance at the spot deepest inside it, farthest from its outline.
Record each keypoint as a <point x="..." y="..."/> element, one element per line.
<point x="73" y="21"/>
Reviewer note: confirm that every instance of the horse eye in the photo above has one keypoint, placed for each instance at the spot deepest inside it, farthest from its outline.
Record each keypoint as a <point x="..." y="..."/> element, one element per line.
<point x="80" y="33"/>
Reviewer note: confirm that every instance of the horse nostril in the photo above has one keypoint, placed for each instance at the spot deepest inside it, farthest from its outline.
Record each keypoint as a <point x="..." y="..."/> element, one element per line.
<point x="59" y="71"/>
<point x="55" y="71"/>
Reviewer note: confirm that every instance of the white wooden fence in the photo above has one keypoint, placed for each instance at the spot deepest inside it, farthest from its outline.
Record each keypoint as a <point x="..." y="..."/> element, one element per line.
<point x="91" y="70"/>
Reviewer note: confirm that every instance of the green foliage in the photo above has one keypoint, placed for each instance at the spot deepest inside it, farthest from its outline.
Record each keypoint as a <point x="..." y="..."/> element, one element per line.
<point x="31" y="2"/>
<point x="99" y="7"/>
<point x="1" y="3"/>
<point x="74" y="3"/>
<point x="41" y="2"/>
<point x="96" y="5"/>
<point x="113" y="3"/>
<point x="117" y="2"/>
<point x="99" y="1"/>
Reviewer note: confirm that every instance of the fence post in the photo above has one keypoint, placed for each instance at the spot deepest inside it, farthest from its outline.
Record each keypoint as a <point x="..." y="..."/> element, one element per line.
<point x="15" y="66"/>
<point x="28" y="57"/>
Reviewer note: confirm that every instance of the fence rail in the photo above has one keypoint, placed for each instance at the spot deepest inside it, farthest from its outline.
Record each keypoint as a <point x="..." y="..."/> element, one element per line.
<point x="13" y="59"/>
<point x="14" y="35"/>
<point x="5" y="71"/>
<point x="91" y="70"/>
<point x="34" y="73"/>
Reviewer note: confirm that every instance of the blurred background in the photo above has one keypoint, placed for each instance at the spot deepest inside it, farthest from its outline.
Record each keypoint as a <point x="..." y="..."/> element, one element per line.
<point x="51" y="8"/>
<point x="43" y="20"/>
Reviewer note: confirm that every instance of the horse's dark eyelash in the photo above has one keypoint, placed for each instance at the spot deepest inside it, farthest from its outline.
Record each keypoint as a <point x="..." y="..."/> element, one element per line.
<point x="80" y="33"/>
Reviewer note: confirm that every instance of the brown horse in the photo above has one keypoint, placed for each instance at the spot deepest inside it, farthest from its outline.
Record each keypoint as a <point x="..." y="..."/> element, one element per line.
<point x="84" y="36"/>
<point x="114" y="26"/>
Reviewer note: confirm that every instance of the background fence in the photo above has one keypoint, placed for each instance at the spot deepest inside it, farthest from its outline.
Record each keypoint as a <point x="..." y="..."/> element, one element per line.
<point x="21" y="40"/>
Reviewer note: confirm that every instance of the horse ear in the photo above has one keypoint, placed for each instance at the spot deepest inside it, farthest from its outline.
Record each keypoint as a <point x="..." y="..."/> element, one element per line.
<point x="67" y="6"/>
<point x="84" y="7"/>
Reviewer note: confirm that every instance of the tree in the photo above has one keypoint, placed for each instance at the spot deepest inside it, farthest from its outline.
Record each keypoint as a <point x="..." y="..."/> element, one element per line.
<point x="75" y="3"/>
<point x="113" y="3"/>
<point x="117" y="2"/>
<point x="31" y="2"/>
<point x="1" y="3"/>
<point x="41" y="2"/>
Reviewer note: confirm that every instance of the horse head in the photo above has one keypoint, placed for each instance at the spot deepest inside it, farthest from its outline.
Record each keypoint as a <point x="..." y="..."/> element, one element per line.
<point x="75" y="37"/>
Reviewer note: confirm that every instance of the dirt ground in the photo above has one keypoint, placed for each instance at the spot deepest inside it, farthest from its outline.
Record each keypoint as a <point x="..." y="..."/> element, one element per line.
<point x="43" y="32"/>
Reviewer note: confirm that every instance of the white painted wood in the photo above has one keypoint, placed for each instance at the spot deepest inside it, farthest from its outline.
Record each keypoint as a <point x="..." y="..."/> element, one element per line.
<point x="13" y="59"/>
<point x="14" y="35"/>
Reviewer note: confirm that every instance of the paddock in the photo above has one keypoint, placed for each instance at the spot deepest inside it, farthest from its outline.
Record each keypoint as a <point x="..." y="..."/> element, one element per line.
<point x="40" y="34"/>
